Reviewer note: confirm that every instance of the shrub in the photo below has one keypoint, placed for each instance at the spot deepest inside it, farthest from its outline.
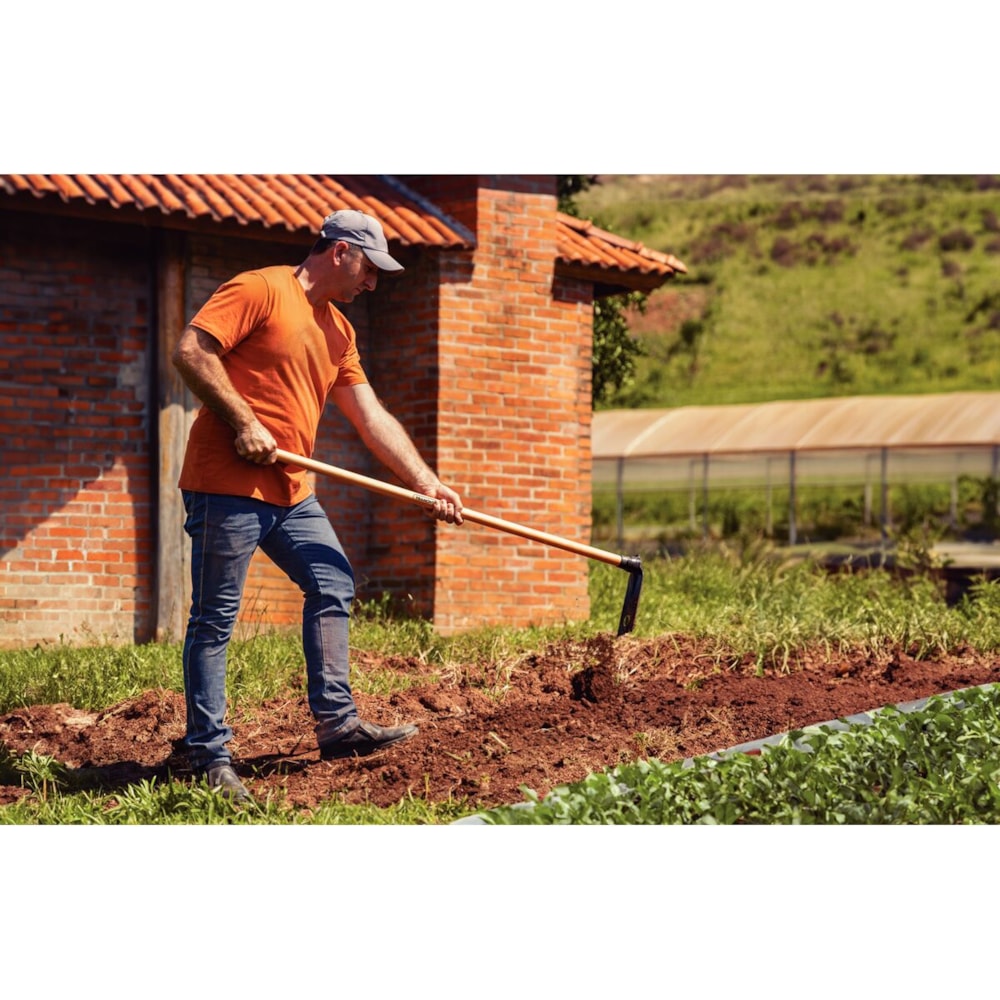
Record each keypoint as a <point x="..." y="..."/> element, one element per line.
<point x="892" y="207"/>
<point x="917" y="238"/>
<point x="790" y="214"/>
<point x="826" y="249"/>
<point x="785" y="252"/>
<point x="956" y="239"/>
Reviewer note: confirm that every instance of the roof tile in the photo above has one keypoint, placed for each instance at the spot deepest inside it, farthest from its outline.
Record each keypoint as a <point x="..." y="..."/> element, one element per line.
<point x="299" y="202"/>
<point x="581" y="242"/>
<point x="117" y="194"/>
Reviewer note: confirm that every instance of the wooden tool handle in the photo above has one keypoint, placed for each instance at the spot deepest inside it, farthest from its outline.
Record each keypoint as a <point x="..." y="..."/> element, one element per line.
<point x="400" y="493"/>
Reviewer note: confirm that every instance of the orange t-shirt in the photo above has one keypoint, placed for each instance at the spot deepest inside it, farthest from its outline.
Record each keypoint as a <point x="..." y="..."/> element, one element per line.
<point x="283" y="356"/>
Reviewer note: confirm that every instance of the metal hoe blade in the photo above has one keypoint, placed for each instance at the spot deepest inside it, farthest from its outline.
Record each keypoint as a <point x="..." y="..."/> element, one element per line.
<point x="631" y="606"/>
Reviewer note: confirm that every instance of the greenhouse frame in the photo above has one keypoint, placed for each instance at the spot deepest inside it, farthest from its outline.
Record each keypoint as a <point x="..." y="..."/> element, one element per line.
<point x="869" y="441"/>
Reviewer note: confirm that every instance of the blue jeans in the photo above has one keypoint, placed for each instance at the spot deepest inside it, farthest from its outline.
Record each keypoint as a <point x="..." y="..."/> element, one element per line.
<point x="225" y="532"/>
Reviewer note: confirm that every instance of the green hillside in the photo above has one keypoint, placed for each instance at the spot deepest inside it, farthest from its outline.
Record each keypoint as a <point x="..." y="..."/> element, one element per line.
<point x="807" y="286"/>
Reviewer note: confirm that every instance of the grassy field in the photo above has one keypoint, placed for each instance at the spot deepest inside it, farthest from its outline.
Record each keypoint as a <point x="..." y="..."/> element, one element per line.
<point x="810" y="286"/>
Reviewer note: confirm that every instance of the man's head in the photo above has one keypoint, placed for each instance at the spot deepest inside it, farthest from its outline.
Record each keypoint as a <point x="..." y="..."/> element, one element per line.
<point x="346" y="257"/>
<point x="360" y="230"/>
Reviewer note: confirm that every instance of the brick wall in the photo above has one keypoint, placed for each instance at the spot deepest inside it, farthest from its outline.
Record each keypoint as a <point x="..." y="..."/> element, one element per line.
<point x="401" y="359"/>
<point x="76" y="537"/>
<point x="513" y="412"/>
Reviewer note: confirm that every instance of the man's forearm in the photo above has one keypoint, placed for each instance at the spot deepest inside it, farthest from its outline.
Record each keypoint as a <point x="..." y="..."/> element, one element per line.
<point x="386" y="438"/>
<point x="205" y="376"/>
<point x="196" y="358"/>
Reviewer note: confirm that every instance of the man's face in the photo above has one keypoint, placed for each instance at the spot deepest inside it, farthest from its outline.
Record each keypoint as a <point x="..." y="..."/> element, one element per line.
<point x="353" y="272"/>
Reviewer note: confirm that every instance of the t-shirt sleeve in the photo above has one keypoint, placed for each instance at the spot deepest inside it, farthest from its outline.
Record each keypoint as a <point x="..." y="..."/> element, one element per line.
<point x="349" y="367"/>
<point x="235" y="309"/>
<point x="350" y="371"/>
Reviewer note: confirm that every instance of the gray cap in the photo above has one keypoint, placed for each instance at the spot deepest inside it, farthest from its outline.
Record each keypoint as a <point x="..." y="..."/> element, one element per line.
<point x="363" y="231"/>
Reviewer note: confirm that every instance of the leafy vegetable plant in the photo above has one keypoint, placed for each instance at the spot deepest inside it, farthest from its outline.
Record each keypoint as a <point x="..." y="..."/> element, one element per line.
<point x="938" y="764"/>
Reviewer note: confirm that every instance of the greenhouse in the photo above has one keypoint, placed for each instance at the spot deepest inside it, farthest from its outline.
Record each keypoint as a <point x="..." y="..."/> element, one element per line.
<point x="781" y="448"/>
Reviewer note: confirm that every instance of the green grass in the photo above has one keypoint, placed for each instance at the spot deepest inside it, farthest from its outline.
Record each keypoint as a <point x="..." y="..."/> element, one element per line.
<point x="55" y="801"/>
<point x="655" y="517"/>
<point x="769" y="604"/>
<point x="803" y="287"/>
<point x="761" y="602"/>
<point x="88" y="677"/>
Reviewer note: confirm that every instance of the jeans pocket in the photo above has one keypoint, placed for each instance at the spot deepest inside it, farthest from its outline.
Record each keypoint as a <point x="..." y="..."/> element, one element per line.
<point x="194" y="505"/>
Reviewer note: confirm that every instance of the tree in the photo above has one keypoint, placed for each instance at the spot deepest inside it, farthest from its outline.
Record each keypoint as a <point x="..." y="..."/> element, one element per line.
<point x="615" y="350"/>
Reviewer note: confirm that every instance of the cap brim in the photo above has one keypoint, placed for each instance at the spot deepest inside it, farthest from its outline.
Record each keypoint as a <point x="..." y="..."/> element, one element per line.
<point x="382" y="260"/>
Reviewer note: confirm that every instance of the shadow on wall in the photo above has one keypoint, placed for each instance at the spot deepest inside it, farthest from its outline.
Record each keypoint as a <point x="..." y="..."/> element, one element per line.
<point x="76" y="540"/>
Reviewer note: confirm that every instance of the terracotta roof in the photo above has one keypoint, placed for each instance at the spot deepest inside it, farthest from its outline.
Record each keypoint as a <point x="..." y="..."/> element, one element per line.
<point x="582" y="245"/>
<point x="297" y="203"/>
<point x="292" y="202"/>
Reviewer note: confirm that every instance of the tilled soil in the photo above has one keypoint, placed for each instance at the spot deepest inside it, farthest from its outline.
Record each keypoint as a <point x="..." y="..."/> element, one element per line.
<point x="570" y="710"/>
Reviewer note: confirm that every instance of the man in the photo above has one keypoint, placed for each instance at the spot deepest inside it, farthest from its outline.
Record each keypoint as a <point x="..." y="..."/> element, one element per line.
<point x="263" y="355"/>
